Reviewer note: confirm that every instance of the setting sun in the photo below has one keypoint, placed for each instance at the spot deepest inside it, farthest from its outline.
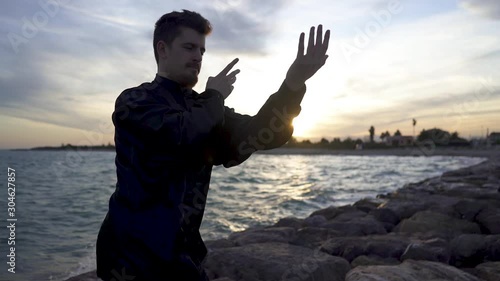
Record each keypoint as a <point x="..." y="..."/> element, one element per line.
<point x="302" y="126"/>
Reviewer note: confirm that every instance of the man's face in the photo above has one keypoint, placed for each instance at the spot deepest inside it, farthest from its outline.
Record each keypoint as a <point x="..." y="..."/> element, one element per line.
<point x="183" y="57"/>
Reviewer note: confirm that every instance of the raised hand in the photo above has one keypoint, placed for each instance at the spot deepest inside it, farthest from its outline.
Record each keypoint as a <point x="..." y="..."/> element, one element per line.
<point x="305" y="66"/>
<point x="223" y="82"/>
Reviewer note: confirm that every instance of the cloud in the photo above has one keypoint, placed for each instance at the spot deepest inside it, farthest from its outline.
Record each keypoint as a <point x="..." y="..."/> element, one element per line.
<point x="486" y="8"/>
<point x="71" y="68"/>
<point x="242" y="26"/>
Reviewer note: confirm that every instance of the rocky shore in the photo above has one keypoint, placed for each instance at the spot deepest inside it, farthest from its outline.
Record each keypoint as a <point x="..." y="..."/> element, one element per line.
<point x="443" y="228"/>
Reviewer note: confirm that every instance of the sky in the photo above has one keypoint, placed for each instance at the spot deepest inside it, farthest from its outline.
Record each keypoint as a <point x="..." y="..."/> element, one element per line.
<point x="64" y="62"/>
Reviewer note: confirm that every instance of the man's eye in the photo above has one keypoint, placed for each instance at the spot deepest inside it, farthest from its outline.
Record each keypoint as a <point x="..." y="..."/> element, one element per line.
<point x="188" y="47"/>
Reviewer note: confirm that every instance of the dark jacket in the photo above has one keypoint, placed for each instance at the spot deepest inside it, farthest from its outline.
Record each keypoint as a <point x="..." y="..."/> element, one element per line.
<point x="167" y="141"/>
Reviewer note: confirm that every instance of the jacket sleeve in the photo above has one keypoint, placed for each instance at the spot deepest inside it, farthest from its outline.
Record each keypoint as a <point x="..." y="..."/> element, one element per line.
<point x="149" y="115"/>
<point x="271" y="127"/>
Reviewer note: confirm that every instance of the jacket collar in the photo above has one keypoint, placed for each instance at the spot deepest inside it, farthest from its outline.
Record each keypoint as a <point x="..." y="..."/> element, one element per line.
<point x="172" y="86"/>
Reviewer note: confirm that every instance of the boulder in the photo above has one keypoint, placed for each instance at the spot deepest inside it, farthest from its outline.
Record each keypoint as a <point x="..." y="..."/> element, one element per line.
<point x="314" y="221"/>
<point x="329" y="213"/>
<point x="489" y="220"/>
<point x="492" y="248"/>
<point x="385" y="246"/>
<point x="260" y="235"/>
<point x="313" y="237"/>
<point x="429" y="221"/>
<point x="289" y="222"/>
<point x="405" y="208"/>
<point x="373" y="260"/>
<point x="332" y="212"/>
<point x="468" y="209"/>
<point x="368" y="204"/>
<point x="385" y="215"/>
<point x="467" y="249"/>
<point x="409" y="270"/>
<point x="488" y="271"/>
<point x="275" y="261"/>
<point x="430" y="250"/>
<point x="357" y="227"/>
<point x="219" y="243"/>
<point x="349" y="216"/>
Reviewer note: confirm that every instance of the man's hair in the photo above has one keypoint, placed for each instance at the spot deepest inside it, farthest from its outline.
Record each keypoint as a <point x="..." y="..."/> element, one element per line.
<point x="168" y="27"/>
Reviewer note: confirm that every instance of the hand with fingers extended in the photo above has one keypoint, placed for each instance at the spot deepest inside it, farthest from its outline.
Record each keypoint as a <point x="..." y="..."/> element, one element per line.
<point x="305" y="66"/>
<point x="223" y="82"/>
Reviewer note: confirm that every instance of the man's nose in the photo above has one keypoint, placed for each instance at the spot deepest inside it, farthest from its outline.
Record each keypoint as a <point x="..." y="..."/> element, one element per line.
<point x="198" y="56"/>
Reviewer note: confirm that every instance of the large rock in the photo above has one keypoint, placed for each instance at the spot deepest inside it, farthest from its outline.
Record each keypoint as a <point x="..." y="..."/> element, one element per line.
<point x="385" y="246"/>
<point x="428" y="221"/>
<point x="332" y="212"/>
<point x="329" y="213"/>
<point x="314" y="221"/>
<point x="489" y="219"/>
<point x="492" y="248"/>
<point x="411" y="200"/>
<point x="357" y="227"/>
<point x="275" y="261"/>
<point x="409" y="270"/>
<point x="349" y="216"/>
<point x="469" y="209"/>
<point x="368" y="204"/>
<point x="313" y="237"/>
<point x="430" y="250"/>
<point x="385" y="215"/>
<point x="489" y="271"/>
<point x="260" y="235"/>
<point x="219" y="243"/>
<point x="373" y="260"/>
<point x="469" y="250"/>
<point x="290" y="222"/>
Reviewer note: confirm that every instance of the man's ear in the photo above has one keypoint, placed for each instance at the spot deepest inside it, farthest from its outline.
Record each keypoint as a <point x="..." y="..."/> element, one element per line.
<point x="162" y="49"/>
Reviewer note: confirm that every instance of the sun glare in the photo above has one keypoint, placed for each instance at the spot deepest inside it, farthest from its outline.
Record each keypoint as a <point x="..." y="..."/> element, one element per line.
<point x="302" y="126"/>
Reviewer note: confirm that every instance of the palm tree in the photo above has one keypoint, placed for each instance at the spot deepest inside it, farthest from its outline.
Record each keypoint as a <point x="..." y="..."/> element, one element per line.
<point x="414" y="123"/>
<point x="384" y="135"/>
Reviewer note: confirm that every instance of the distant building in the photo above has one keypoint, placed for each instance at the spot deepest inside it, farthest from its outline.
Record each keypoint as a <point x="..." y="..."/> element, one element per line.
<point x="494" y="138"/>
<point x="399" y="140"/>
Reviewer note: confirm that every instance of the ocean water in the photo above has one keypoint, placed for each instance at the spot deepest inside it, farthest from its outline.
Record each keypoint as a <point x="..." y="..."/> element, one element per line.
<point x="62" y="198"/>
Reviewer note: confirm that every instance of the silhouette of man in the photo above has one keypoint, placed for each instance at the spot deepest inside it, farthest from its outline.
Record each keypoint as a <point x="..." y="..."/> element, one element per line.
<point x="168" y="137"/>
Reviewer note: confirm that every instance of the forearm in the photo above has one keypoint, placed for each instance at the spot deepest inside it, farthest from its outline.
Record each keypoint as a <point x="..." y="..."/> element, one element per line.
<point x="294" y="85"/>
<point x="269" y="128"/>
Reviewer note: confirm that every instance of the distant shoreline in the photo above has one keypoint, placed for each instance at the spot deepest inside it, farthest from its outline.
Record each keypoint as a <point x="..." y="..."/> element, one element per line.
<point x="67" y="147"/>
<point x="492" y="152"/>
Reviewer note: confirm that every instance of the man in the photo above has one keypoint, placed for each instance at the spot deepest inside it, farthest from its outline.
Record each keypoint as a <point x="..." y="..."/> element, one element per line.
<point x="168" y="138"/>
